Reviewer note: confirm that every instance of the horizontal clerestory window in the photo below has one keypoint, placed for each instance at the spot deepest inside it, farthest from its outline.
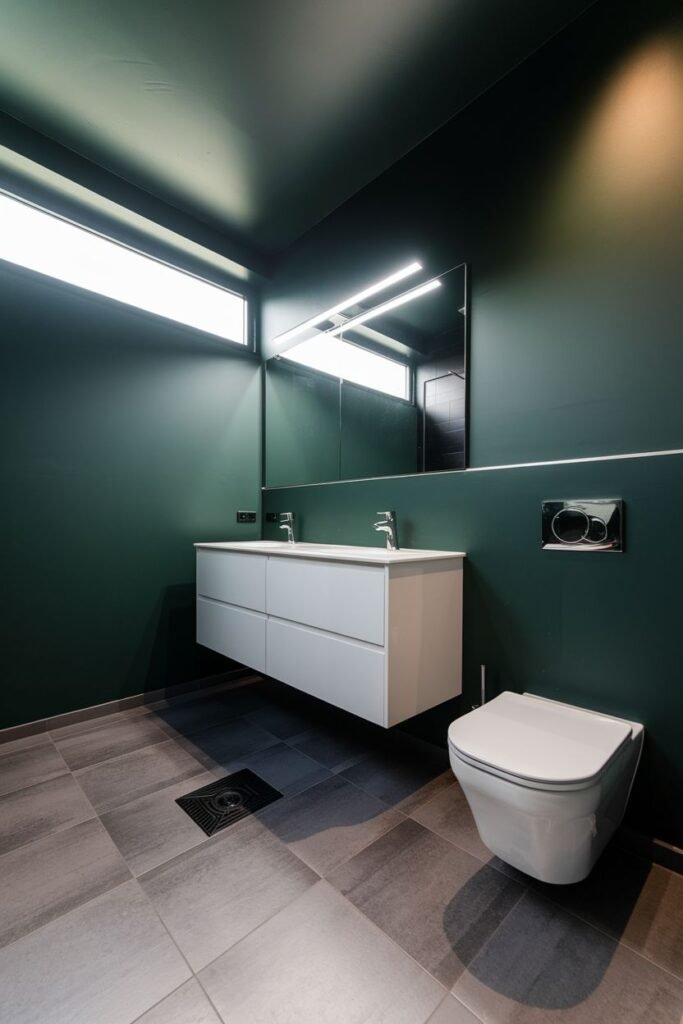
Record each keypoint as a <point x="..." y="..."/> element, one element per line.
<point x="33" y="238"/>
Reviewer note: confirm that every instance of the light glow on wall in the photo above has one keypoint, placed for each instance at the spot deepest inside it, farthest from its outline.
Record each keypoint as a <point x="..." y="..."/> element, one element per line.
<point x="42" y="242"/>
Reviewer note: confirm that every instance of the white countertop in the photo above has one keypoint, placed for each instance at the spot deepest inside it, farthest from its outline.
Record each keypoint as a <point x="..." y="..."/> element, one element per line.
<point x="331" y="552"/>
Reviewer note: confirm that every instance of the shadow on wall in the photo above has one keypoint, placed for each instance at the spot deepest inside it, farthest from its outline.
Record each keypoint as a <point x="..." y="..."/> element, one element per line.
<point x="168" y="654"/>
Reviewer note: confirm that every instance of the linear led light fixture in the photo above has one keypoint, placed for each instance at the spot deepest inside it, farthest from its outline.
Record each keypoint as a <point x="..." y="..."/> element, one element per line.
<point x="40" y="241"/>
<point x="400" y="300"/>
<point x="386" y="282"/>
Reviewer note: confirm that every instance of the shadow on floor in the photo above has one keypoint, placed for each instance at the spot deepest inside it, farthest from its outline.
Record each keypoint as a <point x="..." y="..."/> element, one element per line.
<point x="542" y="956"/>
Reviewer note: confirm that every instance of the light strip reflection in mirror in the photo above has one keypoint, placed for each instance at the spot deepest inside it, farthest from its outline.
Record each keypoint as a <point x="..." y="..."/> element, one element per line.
<point x="386" y="282"/>
<point x="400" y="300"/>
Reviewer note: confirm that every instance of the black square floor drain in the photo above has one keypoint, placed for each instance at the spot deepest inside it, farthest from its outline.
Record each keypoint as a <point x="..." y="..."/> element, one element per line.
<point x="222" y="803"/>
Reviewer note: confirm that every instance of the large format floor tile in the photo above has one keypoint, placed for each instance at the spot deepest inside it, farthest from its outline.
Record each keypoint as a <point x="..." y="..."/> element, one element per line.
<point x="121" y="779"/>
<point x="544" y="966"/>
<point x="338" y="746"/>
<point x="319" y="960"/>
<point x="436" y="901"/>
<point x="285" y="720"/>
<point x="640" y="904"/>
<point x="107" y="740"/>
<point x="214" y="895"/>
<point x="106" y="962"/>
<point x="187" y="1005"/>
<point x="26" y="766"/>
<point x="152" y="830"/>
<point x="449" y="815"/>
<point x="193" y="716"/>
<point x="227" y="742"/>
<point x="403" y="772"/>
<point x="288" y="770"/>
<point x="329" y="823"/>
<point x="53" y="875"/>
<point x="452" y="1011"/>
<point x="40" y="810"/>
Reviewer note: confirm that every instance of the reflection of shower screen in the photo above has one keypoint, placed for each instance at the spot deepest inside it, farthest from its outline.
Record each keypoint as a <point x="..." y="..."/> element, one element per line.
<point x="443" y="422"/>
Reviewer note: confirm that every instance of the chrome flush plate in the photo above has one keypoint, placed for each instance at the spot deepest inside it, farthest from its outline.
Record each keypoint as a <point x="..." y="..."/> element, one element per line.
<point x="583" y="524"/>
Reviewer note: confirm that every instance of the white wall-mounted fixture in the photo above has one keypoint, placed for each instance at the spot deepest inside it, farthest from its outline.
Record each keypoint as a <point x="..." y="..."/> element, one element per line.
<point x="338" y="622"/>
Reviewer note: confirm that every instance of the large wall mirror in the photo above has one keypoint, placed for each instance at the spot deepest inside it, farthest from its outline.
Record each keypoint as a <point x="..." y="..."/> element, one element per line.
<point x="374" y="386"/>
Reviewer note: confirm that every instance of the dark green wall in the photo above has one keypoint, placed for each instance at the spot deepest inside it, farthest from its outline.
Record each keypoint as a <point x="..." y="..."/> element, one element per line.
<point x="562" y="187"/>
<point x="320" y="428"/>
<point x="124" y="439"/>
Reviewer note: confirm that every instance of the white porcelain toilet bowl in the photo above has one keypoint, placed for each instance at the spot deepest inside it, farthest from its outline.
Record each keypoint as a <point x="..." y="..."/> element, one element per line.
<point x="547" y="783"/>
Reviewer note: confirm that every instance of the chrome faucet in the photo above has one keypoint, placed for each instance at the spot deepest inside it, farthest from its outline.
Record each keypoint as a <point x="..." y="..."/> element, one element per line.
<point x="287" y="523"/>
<point x="389" y="526"/>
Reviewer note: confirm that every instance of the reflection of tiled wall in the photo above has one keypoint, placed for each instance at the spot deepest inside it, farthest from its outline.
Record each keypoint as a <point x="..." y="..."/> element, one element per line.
<point x="445" y="423"/>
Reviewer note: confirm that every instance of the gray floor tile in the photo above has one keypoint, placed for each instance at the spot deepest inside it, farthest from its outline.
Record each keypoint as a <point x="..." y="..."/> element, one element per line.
<point x="152" y="830"/>
<point x="26" y="766"/>
<point x="638" y="903"/>
<point x="338" y="748"/>
<point x="107" y="962"/>
<point x="52" y="876"/>
<point x="63" y="727"/>
<point x="187" y="1005"/>
<point x="40" y="810"/>
<point x="449" y="815"/>
<point x="227" y="742"/>
<point x="108" y="740"/>
<point x="193" y="716"/>
<point x="214" y="895"/>
<point x="329" y="823"/>
<point x="288" y="770"/>
<point x="35" y="739"/>
<point x="323" y="962"/>
<point x="283" y="721"/>
<point x="404" y="772"/>
<point x="544" y="965"/>
<point x="122" y="779"/>
<point x="436" y="901"/>
<point x="452" y="1011"/>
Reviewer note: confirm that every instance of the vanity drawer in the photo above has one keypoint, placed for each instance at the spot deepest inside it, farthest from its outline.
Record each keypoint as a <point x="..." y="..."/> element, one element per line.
<point x="345" y="599"/>
<point x="347" y="674"/>
<point x="234" y="632"/>
<point x="232" y="577"/>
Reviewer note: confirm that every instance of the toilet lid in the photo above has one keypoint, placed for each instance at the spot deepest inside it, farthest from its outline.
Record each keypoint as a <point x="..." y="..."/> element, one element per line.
<point x="538" y="740"/>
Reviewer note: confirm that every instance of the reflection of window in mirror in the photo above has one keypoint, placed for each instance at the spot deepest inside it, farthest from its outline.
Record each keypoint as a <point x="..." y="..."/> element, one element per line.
<point x="351" y="362"/>
<point x="385" y="385"/>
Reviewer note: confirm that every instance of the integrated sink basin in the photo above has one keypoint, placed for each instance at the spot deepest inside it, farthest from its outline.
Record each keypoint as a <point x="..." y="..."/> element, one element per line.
<point x="331" y="552"/>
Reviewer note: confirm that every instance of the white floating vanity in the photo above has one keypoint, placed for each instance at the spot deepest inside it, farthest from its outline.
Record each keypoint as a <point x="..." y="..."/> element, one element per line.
<point x="376" y="632"/>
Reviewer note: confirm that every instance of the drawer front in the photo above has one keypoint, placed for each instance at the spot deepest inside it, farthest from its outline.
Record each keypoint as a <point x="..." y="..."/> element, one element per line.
<point x="346" y="674"/>
<point x="345" y="599"/>
<point x="233" y="632"/>
<point x="232" y="577"/>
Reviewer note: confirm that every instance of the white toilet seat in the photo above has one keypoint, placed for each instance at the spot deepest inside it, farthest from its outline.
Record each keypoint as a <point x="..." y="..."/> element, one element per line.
<point x="538" y="743"/>
<point x="547" y="783"/>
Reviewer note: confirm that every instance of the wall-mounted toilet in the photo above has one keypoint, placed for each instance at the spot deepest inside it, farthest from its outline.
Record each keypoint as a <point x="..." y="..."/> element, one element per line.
<point x="547" y="783"/>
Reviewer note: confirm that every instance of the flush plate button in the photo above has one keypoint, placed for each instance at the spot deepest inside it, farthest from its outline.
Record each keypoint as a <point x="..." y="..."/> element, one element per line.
<point x="583" y="524"/>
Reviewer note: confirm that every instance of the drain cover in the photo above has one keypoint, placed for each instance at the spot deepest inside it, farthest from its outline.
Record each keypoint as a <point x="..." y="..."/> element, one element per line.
<point x="222" y="803"/>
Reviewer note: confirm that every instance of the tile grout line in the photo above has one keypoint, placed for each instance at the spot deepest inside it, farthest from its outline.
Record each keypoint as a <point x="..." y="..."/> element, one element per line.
<point x="549" y="898"/>
<point x="160" y="1001"/>
<point x="115" y="757"/>
<point x="73" y="910"/>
